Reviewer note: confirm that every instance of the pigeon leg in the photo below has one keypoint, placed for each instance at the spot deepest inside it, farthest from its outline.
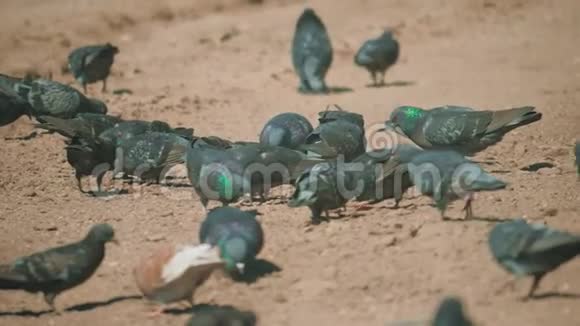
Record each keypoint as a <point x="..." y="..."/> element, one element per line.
<point x="467" y="208"/>
<point x="374" y="78"/>
<point x="49" y="299"/>
<point x="104" y="88"/>
<point x="364" y="206"/>
<point x="397" y="202"/>
<point x="79" y="183"/>
<point x="536" y="282"/>
<point x="382" y="80"/>
<point x="316" y="217"/>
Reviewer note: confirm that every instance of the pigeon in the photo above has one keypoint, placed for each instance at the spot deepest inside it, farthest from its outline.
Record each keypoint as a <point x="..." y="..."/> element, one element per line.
<point x="237" y="233"/>
<point x="84" y="125"/>
<point x="90" y="64"/>
<point x="383" y="174"/>
<point x="322" y="188"/>
<point x="577" y="150"/>
<point x="450" y="313"/>
<point x="377" y="55"/>
<point x="56" y="270"/>
<point x="446" y="176"/>
<point x="339" y="133"/>
<point x="146" y="156"/>
<point x="287" y="130"/>
<point x="531" y="249"/>
<point x="172" y="273"/>
<point x="48" y="97"/>
<point x="311" y="52"/>
<point x="222" y="316"/>
<point x="461" y="129"/>
<point x="126" y="130"/>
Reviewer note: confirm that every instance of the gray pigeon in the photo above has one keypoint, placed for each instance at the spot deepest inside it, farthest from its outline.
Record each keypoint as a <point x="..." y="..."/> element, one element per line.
<point x="577" y="150"/>
<point x="446" y="176"/>
<point x="126" y="130"/>
<point x="339" y="133"/>
<point x="458" y="128"/>
<point x="222" y="316"/>
<point x="84" y="125"/>
<point x="237" y="233"/>
<point x="383" y="174"/>
<point x="59" y="269"/>
<point x="286" y="129"/>
<point x="531" y="249"/>
<point x="90" y="64"/>
<point x="146" y="156"/>
<point x="322" y="188"/>
<point x="377" y="55"/>
<point x="47" y="97"/>
<point x="450" y="313"/>
<point x="311" y="52"/>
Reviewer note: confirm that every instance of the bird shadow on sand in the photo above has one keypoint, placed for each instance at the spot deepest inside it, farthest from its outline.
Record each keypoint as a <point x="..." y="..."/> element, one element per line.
<point x="485" y="219"/>
<point x="555" y="295"/>
<point x="396" y="83"/>
<point x="78" y="308"/>
<point x="256" y="270"/>
<point x="202" y="307"/>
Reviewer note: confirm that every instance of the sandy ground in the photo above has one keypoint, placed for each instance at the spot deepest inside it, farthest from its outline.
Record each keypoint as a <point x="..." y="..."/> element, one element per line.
<point x="223" y="67"/>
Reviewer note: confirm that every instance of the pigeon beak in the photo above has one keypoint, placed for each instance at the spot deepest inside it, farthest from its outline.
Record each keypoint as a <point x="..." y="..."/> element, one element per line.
<point x="240" y="267"/>
<point x="115" y="241"/>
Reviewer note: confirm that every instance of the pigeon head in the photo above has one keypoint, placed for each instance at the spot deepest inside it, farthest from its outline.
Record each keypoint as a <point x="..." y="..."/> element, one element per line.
<point x="450" y="312"/>
<point x="102" y="233"/>
<point x="98" y="106"/>
<point x="233" y="252"/>
<point x="113" y="49"/>
<point x="406" y="118"/>
<point x="275" y="136"/>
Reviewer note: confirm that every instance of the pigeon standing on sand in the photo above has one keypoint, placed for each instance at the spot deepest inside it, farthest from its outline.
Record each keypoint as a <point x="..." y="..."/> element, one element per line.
<point x="90" y="64"/>
<point x="377" y="55"/>
<point x="59" y="269"/>
<point x="318" y="188"/>
<point x="173" y="273"/>
<point x="311" y="52"/>
<point x="339" y="133"/>
<point x="222" y="316"/>
<point x="287" y="130"/>
<point x="446" y="176"/>
<point x="458" y="128"/>
<point x="531" y="249"/>
<point x="450" y="313"/>
<point x="237" y="233"/>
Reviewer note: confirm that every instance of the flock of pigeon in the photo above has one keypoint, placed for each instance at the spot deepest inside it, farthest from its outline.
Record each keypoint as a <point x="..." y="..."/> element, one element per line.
<point x="328" y="165"/>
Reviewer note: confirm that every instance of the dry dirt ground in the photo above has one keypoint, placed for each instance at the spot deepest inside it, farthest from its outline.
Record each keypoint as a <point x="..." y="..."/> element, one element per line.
<point x="223" y="67"/>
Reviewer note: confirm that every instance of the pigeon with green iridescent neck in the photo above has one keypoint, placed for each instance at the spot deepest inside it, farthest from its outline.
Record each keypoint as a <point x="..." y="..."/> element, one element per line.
<point x="311" y="52"/>
<point x="322" y="188"/>
<point x="377" y="55"/>
<point x="145" y="156"/>
<point x="446" y="176"/>
<point x="222" y="316"/>
<point x="237" y="233"/>
<point x="90" y="64"/>
<point x="56" y="270"/>
<point x="531" y="249"/>
<point x="286" y="129"/>
<point x="459" y="128"/>
<point x="48" y="97"/>
<point x="339" y="133"/>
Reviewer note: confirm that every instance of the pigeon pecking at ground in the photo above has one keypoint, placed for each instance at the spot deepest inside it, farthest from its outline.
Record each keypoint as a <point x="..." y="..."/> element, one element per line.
<point x="461" y="129"/>
<point x="311" y="52"/>
<point x="531" y="249"/>
<point x="377" y="55"/>
<point x="59" y="269"/>
<point x="90" y="64"/>
<point x="237" y="233"/>
<point x="222" y="316"/>
<point x="287" y="130"/>
<point x="172" y="273"/>
<point x="339" y="133"/>
<point x="446" y="176"/>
